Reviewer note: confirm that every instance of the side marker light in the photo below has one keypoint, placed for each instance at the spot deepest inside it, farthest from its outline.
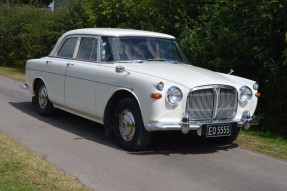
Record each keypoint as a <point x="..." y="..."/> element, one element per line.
<point x="155" y="95"/>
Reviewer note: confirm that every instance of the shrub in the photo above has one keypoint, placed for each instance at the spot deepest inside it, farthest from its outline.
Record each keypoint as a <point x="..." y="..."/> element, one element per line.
<point x="250" y="38"/>
<point x="25" y="32"/>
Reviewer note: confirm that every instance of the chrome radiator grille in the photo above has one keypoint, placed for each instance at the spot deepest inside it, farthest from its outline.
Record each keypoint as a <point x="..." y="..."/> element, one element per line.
<point x="212" y="102"/>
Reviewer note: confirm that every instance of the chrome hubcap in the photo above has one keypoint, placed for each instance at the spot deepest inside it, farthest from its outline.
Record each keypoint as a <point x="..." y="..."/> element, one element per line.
<point x="43" y="97"/>
<point x="127" y="125"/>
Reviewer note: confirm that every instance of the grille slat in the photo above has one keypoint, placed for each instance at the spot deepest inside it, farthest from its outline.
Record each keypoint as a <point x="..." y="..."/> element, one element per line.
<point x="219" y="102"/>
<point x="226" y="104"/>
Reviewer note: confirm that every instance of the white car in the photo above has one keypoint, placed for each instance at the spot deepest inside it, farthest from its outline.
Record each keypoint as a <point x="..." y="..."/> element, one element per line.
<point x="137" y="82"/>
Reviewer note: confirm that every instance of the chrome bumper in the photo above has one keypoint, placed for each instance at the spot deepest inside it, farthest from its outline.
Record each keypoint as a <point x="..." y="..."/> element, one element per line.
<point x="186" y="125"/>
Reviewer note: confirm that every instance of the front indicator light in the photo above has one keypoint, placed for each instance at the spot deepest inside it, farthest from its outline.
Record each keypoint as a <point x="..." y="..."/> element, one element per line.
<point x="258" y="94"/>
<point x="155" y="95"/>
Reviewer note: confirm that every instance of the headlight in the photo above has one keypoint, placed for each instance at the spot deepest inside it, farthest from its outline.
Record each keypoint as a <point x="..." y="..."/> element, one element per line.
<point x="245" y="94"/>
<point x="174" y="95"/>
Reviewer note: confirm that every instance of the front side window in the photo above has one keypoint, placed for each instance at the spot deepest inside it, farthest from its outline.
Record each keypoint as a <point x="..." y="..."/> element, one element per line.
<point x="68" y="47"/>
<point x="88" y="49"/>
<point x="140" y="48"/>
<point x="106" y="50"/>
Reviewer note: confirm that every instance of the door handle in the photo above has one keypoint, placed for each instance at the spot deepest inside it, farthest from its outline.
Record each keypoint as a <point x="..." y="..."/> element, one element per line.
<point x="48" y="62"/>
<point x="69" y="64"/>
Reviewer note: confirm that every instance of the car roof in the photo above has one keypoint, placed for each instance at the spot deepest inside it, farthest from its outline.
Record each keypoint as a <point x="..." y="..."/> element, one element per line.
<point x="117" y="32"/>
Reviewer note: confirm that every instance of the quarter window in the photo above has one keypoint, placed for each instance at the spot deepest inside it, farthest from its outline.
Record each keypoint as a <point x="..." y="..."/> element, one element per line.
<point x="68" y="47"/>
<point x="106" y="50"/>
<point x="88" y="49"/>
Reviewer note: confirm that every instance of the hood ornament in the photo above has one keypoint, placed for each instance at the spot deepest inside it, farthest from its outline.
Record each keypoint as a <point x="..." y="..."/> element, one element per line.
<point x="231" y="71"/>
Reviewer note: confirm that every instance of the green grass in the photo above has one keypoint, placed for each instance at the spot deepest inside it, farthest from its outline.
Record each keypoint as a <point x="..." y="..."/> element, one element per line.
<point x="21" y="169"/>
<point x="13" y="73"/>
<point x="266" y="143"/>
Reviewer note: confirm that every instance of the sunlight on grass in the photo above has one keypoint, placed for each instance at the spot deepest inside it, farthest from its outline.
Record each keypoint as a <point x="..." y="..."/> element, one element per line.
<point x="266" y="143"/>
<point x="13" y="73"/>
<point x="21" y="169"/>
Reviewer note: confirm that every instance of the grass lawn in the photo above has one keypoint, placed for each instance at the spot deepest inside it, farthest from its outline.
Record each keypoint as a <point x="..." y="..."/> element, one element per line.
<point x="269" y="144"/>
<point x="21" y="169"/>
<point x="16" y="74"/>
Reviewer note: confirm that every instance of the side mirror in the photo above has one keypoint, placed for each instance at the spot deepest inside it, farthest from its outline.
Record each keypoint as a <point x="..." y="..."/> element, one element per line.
<point x="120" y="69"/>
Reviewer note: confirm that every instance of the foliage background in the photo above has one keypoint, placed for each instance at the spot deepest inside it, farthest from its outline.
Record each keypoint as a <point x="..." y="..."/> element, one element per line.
<point x="247" y="36"/>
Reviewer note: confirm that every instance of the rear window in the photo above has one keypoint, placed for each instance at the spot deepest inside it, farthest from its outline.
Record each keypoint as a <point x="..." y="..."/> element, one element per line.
<point x="68" y="47"/>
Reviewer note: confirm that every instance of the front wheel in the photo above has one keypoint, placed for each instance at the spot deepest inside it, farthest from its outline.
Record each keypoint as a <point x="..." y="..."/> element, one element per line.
<point x="43" y="105"/>
<point x="129" y="129"/>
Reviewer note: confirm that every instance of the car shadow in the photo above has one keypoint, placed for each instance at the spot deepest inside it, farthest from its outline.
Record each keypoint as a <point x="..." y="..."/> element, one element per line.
<point x="162" y="143"/>
<point x="171" y="142"/>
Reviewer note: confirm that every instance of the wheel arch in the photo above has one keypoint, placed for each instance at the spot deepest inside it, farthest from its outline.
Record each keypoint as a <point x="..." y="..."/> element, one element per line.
<point x="111" y="104"/>
<point x="35" y="83"/>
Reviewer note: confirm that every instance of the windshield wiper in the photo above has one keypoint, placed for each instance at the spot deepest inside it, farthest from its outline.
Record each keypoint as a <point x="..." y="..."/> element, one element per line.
<point x="162" y="59"/>
<point x="129" y="61"/>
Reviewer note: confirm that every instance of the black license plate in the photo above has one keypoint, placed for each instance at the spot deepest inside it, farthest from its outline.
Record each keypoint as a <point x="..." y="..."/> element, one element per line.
<point x="218" y="130"/>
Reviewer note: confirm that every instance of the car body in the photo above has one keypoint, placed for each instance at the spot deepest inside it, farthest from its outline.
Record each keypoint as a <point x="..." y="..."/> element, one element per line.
<point x="136" y="82"/>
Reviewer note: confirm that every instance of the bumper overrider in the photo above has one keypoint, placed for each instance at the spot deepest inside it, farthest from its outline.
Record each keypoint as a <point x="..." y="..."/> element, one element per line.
<point x="186" y="125"/>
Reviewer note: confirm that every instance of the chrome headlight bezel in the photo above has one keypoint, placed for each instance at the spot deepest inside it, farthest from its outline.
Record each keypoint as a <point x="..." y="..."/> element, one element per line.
<point x="245" y="94"/>
<point x="174" y="95"/>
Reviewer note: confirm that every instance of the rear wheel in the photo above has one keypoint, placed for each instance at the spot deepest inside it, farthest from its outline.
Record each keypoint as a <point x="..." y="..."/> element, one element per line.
<point x="129" y="130"/>
<point x="43" y="104"/>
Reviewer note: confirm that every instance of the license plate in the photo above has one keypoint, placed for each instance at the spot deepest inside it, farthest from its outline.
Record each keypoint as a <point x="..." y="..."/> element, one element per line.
<point x="218" y="130"/>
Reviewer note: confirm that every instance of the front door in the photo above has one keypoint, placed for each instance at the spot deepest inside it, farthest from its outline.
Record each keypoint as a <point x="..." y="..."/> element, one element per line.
<point x="81" y="77"/>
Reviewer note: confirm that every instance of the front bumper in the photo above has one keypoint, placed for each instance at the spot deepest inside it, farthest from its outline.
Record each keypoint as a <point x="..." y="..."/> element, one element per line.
<point x="186" y="125"/>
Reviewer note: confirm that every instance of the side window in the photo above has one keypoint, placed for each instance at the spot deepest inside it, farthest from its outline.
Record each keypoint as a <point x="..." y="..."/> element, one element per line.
<point x="68" y="47"/>
<point x="88" y="49"/>
<point x="106" y="52"/>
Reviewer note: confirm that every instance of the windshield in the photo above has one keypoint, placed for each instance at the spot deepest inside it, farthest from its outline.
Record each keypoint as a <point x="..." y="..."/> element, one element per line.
<point x="140" y="48"/>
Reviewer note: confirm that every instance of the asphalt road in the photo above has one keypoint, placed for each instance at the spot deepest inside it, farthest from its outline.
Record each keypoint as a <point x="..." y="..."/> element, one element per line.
<point x="172" y="162"/>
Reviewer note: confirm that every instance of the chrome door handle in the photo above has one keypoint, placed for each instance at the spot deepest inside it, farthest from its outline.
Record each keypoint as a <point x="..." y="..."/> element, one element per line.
<point x="69" y="64"/>
<point x="48" y="62"/>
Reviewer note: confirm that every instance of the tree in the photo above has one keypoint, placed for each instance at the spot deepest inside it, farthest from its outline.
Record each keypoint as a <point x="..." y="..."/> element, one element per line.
<point x="250" y="38"/>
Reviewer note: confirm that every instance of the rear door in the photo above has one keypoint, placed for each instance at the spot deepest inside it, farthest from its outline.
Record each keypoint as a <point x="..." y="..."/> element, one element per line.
<point x="56" y="70"/>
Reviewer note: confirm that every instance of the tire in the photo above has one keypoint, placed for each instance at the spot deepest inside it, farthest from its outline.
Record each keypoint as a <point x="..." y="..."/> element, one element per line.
<point x="128" y="127"/>
<point x="43" y="105"/>
<point x="227" y="140"/>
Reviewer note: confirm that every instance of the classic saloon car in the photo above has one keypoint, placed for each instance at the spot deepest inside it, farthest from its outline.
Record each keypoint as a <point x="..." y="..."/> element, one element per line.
<point x="137" y="82"/>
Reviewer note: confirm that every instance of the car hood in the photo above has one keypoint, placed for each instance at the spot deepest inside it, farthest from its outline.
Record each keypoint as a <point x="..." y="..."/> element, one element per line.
<point x="183" y="74"/>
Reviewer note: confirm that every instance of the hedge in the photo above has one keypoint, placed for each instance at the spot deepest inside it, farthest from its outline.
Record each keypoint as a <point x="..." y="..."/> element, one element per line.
<point x="247" y="36"/>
